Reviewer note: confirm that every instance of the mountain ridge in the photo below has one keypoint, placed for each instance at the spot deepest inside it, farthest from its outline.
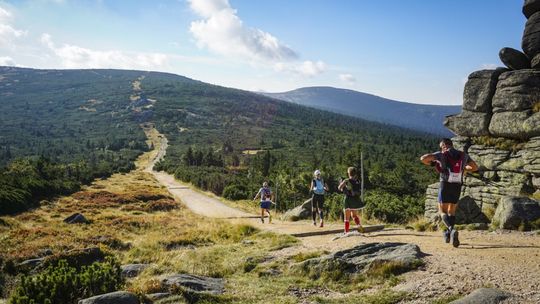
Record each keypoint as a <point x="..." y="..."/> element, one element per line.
<point x="419" y="117"/>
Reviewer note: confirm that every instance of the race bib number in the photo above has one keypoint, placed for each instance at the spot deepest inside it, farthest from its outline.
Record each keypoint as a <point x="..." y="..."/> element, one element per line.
<point x="454" y="177"/>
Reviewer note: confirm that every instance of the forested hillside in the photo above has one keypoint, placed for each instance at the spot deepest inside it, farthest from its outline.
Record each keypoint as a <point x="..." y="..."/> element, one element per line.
<point x="86" y="123"/>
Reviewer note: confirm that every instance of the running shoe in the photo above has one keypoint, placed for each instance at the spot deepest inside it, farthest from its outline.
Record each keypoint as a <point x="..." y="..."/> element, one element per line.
<point x="314" y="224"/>
<point x="446" y="236"/>
<point x="321" y="225"/>
<point x="454" y="237"/>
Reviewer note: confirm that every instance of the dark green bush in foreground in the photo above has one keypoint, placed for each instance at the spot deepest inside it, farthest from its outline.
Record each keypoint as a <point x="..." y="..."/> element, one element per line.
<point x="65" y="284"/>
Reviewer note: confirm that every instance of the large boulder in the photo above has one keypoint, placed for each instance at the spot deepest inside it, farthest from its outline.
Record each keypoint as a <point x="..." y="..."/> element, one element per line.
<point x="362" y="258"/>
<point x="479" y="90"/>
<point x="469" y="123"/>
<point x="530" y="7"/>
<point x="517" y="91"/>
<point x="514" y="59"/>
<point x="194" y="283"/>
<point x="509" y="124"/>
<point x="512" y="212"/>
<point x="298" y="213"/>
<point x="530" y="42"/>
<point x="117" y="297"/>
<point x="484" y="296"/>
<point x="531" y="156"/>
<point x="469" y="212"/>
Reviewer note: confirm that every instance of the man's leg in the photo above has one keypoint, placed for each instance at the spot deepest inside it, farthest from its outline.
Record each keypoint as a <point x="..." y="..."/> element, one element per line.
<point x="454" y="234"/>
<point x="314" y="215"/>
<point x="444" y="209"/>
<point x="262" y="215"/>
<point x="269" y="216"/>
<point x="346" y="218"/>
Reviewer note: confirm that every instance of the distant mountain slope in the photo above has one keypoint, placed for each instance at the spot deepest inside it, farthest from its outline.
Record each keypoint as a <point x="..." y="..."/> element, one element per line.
<point x="427" y="118"/>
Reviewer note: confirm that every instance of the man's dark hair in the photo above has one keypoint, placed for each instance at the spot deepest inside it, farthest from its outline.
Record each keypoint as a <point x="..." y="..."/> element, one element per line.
<point x="447" y="141"/>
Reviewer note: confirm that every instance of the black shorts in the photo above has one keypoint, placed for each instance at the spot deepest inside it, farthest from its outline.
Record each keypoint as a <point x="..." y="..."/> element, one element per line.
<point x="449" y="192"/>
<point x="317" y="201"/>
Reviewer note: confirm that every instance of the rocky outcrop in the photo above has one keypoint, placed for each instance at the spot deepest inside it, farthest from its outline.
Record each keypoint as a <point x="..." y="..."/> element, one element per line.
<point x="363" y="258"/>
<point x="513" y="212"/>
<point x="76" y="218"/>
<point x="117" y="297"/>
<point x="298" y="213"/>
<point x="484" y="296"/>
<point x="499" y="127"/>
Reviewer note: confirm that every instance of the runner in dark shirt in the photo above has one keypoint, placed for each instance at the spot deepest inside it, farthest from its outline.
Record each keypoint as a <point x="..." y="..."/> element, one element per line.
<point x="452" y="165"/>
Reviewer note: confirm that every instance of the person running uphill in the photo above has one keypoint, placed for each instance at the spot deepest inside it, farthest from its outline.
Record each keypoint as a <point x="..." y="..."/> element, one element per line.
<point x="319" y="188"/>
<point x="351" y="187"/>
<point x="266" y="200"/>
<point x="451" y="164"/>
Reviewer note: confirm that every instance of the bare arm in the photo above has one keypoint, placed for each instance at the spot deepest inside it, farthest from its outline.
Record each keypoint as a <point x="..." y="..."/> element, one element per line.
<point x="342" y="185"/>
<point x="471" y="166"/>
<point x="426" y="159"/>
<point x="257" y="195"/>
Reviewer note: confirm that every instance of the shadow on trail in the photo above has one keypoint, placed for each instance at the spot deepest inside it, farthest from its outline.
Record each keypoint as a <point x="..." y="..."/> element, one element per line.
<point x="494" y="246"/>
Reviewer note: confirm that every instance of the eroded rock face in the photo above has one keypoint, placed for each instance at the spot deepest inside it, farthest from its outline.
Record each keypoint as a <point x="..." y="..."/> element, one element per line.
<point x="530" y="42"/>
<point x="517" y="91"/>
<point x="530" y="7"/>
<point x="117" y="297"/>
<point x="479" y="90"/>
<point x="299" y="213"/>
<point x="195" y="283"/>
<point x="469" y="123"/>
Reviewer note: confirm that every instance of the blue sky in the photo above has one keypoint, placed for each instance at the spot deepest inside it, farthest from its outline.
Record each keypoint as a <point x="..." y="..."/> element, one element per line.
<point x="414" y="50"/>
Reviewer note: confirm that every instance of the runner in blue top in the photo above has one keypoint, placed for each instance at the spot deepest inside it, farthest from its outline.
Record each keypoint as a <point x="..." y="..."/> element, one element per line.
<point x="452" y="166"/>
<point x="319" y="188"/>
<point x="266" y="200"/>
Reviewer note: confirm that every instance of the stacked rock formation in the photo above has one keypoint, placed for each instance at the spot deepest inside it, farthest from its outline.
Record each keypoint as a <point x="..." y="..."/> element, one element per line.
<point x="499" y="127"/>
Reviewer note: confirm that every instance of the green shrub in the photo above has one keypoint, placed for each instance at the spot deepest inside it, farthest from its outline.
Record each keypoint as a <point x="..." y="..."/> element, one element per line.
<point x="235" y="192"/>
<point x="392" y="208"/>
<point x="62" y="283"/>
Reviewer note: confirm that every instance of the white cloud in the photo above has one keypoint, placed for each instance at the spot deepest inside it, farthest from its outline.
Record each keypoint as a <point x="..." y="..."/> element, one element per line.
<point x="7" y="61"/>
<point x="7" y="32"/>
<point x="72" y="56"/>
<point x="307" y="68"/>
<point x="348" y="78"/>
<point x="489" y="66"/>
<point x="223" y="32"/>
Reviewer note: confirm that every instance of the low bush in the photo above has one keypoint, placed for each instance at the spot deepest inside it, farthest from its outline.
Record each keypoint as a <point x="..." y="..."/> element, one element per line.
<point x="62" y="283"/>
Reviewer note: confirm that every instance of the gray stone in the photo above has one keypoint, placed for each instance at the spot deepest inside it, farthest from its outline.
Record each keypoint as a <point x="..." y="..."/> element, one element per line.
<point x="117" y="297"/>
<point x="535" y="62"/>
<point x="513" y="211"/>
<point x="469" y="123"/>
<point x="484" y="296"/>
<point x="536" y="182"/>
<point x="76" y="218"/>
<point x="298" y="213"/>
<point x="363" y="257"/>
<point x="158" y="296"/>
<point x="530" y="43"/>
<point x="509" y="124"/>
<point x="194" y="283"/>
<point x="479" y="90"/>
<point x="514" y="59"/>
<point x="133" y="270"/>
<point x="517" y="91"/>
<point x="530" y="7"/>
<point x="488" y="157"/>
<point x="469" y="212"/>
<point x="531" y="125"/>
<point x="31" y="263"/>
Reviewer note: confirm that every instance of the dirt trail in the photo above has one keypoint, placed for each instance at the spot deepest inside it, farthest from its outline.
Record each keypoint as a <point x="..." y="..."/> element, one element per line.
<point x="502" y="259"/>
